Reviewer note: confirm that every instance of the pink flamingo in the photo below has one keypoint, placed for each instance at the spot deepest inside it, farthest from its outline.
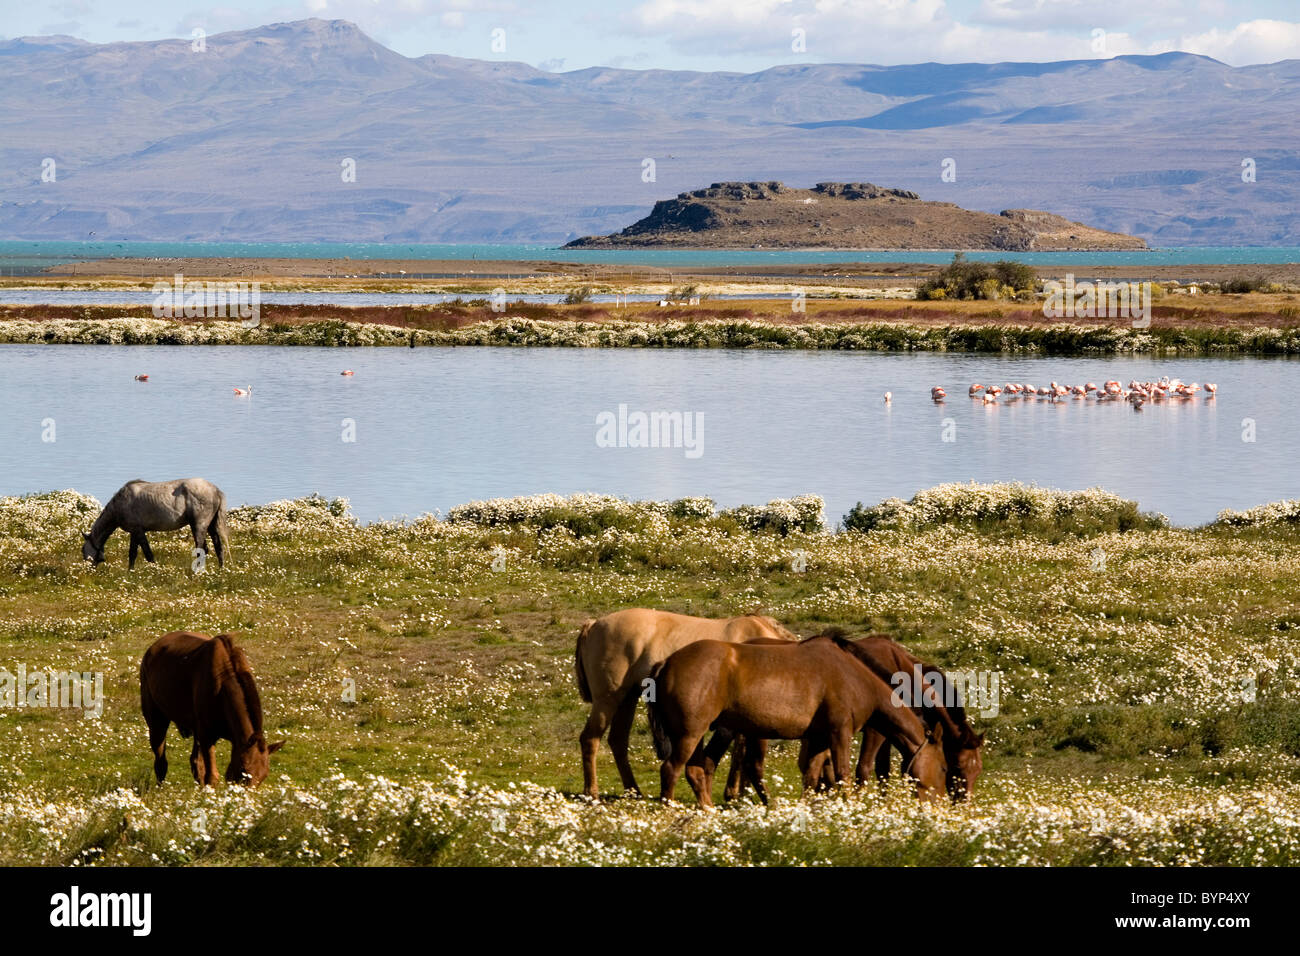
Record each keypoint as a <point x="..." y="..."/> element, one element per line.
<point x="347" y="371"/>
<point x="889" y="397"/>
<point x="244" y="392"/>
<point x="974" y="389"/>
<point x="938" y="394"/>
<point x="1210" y="389"/>
<point x="142" y="378"/>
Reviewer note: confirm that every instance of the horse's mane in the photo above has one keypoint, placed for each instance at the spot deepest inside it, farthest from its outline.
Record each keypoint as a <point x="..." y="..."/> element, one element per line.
<point x="836" y="634"/>
<point x="243" y="676"/>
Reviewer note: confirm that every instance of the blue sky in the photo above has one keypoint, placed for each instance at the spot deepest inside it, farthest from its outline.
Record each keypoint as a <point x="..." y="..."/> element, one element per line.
<point x="742" y="35"/>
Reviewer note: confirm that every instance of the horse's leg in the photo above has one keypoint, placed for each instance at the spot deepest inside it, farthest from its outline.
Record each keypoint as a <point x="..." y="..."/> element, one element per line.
<point x="620" y="731"/>
<point x="841" y="751"/>
<point x="589" y="739"/>
<point x="714" y="751"/>
<point x="670" y="771"/>
<point x="219" y="546"/>
<point x="699" y="774"/>
<point x="200" y="535"/>
<point x="135" y="548"/>
<point x="157" y="723"/>
<point x="210" y="759"/>
<point x="144" y="546"/>
<point x="736" y="777"/>
<point x="812" y="754"/>
<point x="871" y="741"/>
<point x="755" y="755"/>
<point x="687" y="756"/>
<point x="200" y="772"/>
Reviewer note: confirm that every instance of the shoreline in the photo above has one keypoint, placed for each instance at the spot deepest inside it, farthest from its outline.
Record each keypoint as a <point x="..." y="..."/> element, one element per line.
<point x="519" y="276"/>
<point x="967" y="327"/>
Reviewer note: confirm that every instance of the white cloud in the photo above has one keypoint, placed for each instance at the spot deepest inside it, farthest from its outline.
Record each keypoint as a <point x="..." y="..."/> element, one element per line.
<point x="1255" y="41"/>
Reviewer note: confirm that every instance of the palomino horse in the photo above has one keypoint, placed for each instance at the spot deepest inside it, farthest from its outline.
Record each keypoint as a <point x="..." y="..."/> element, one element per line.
<point x="617" y="652"/>
<point x="812" y="690"/>
<point x="888" y="659"/>
<point x="141" y="506"/>
<point x="204" y="685"/>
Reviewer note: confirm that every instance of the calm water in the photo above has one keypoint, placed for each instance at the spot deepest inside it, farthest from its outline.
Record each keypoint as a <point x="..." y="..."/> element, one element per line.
<point x="19" y="254"/>
<point x="437" y="427"/>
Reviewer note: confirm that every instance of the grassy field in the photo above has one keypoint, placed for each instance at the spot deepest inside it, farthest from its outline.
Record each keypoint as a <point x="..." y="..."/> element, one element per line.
<point x="1149" y="707"/>
<point x="913" y="327"/>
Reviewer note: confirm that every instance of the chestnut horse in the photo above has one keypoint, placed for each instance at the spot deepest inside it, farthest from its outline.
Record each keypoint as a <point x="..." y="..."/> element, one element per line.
<point x="615" y="655"/>
<point x="887" y="658"/>
<point x="204" y="685"/>
<point x="810" y="690"/>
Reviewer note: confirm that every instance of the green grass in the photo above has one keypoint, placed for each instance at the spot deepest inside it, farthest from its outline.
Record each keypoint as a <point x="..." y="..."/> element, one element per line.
<point x="1123" y="736"/>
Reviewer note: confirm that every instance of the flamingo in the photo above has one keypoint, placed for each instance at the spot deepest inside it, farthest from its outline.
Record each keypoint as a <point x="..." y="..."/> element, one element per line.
<point x="142" y="378"/>
<point x="347" y="371"/>
<point x="990" y="399"/>
<point x="938" y="394"/>
<point x="974" y="389"/>
<point x="1210" y="389"/>
<point x="244" y="392"/>
<point x="889" y="397"/>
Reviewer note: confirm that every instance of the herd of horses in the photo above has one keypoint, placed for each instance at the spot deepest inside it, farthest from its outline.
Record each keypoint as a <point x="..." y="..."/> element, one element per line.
<point x="747" y="679"/>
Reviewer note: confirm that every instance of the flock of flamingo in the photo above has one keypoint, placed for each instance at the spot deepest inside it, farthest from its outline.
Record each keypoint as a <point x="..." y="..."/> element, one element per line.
<point x="1137" y="394"/>
<point x="247" y="390"/>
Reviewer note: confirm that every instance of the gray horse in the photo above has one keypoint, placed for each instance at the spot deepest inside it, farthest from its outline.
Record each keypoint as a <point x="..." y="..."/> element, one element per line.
<point x="141" y="506"/>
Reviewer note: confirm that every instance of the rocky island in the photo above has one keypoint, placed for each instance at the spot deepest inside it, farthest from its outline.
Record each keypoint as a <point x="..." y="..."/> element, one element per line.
<point x="846" y="216"/>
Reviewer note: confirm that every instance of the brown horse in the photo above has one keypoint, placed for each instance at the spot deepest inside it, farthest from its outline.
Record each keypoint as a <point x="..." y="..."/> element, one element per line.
<point x="888" y="659"/>
<point x="615" y="655"/>
<point x="204" y="685"/>
<point x="813" y="689"/>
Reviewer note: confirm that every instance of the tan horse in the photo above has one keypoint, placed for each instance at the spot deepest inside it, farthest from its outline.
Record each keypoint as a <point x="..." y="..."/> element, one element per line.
<point x="812" y="690"/>
<point x="617" y="652"/>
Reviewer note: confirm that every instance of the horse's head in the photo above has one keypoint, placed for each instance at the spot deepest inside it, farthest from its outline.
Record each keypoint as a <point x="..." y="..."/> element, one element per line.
<point x="965" y="764"/>
<point x="251" y="763"/>
<point x="929" y="767"/>
<point x="91" y="551"/>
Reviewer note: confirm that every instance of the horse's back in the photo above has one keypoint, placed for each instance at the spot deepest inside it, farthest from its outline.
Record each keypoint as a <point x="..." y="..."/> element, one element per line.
<point x="622" y="647"/>
<point x="176" y="671"/>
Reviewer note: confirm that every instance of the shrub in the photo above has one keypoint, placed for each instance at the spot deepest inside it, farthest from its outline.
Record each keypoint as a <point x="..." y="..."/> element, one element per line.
<point x="578" y="296"/>
<point x="1241" y="284"/>
<point x="1012" y="507"/>
<point x="963" y="279"/>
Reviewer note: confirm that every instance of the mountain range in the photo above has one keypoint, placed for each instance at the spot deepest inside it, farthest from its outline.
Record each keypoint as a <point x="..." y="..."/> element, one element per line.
<point x="251" y="139"/>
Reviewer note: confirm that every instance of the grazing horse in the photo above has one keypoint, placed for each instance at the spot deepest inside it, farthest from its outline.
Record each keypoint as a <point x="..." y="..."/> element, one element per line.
<point x="812" y="690"/>
<point x="617" y="652"/>
<point x="141" y="506"/>
<point x="204" y="685"/>
<point x="887" y="658"/>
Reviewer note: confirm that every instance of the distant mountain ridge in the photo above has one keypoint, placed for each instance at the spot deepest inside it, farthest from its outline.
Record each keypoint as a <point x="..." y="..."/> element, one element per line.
<point x="248" y="140"/>
<point x="845" y="216"/>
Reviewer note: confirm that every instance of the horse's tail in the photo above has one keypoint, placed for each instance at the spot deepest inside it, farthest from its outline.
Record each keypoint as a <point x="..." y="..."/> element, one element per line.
<point x="579" y="672"/>
<point x="220" y="528"/>
<point x="663" y="744"/>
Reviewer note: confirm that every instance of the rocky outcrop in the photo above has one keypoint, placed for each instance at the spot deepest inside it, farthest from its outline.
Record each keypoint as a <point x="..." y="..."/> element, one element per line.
<point x="846" y="216"/>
